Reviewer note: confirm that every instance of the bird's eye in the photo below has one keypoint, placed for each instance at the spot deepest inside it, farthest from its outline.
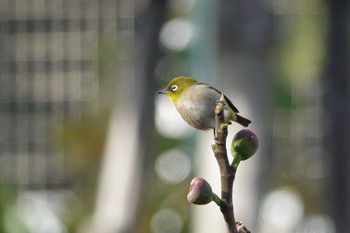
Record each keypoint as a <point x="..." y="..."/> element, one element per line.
<point x="174" y="88"/>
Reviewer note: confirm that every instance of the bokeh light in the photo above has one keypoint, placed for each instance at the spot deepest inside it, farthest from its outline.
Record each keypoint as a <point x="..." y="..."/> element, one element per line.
<point x="282" y="209"/>
<point x="177" y="34"/>
<point x="168" y="121"/>
<point x="166" y="221"/>
<point x="41" y="211"/>
<point x="173" y="166"/>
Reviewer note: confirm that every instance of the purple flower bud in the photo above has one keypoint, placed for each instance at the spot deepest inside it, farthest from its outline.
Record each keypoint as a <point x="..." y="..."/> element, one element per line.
<point x="244" y="144"/>
<point x="200" y="192"/>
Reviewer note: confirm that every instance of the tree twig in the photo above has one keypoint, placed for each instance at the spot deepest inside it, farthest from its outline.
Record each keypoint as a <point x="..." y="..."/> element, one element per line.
<point x="226" y="171"/>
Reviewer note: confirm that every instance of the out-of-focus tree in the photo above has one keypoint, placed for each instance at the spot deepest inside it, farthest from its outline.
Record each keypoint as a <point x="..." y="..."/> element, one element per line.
<point x="337" y="99"/>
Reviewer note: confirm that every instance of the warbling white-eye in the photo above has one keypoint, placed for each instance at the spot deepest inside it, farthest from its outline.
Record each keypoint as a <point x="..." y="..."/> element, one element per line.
<point x="196" y="102"/>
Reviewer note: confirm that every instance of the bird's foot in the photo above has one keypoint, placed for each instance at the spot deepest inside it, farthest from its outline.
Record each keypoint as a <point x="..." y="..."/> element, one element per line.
<point x="221" y="101"/>
<point x="218" y="142"/>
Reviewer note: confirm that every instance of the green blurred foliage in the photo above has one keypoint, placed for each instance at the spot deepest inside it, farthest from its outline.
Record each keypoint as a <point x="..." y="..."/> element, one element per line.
<point x="83" y="142"/>
<point x="299" y="56"/>
<point x="10" y="222"/>
<point x="299" y="47"/>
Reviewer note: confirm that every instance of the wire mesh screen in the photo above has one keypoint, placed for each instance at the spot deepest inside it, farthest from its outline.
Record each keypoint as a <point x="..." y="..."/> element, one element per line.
<point x="48" y="70"/>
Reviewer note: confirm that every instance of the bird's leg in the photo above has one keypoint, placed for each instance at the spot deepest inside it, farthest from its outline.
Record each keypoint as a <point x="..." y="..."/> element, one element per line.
<point x="216" y="138"/>
<point x="220" y="101"/>
<point x="219" y="109"/>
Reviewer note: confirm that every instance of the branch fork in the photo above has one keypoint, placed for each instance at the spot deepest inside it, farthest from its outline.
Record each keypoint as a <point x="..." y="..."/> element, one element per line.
<point x="244" y="145"/>
<point x="227" y="172"/>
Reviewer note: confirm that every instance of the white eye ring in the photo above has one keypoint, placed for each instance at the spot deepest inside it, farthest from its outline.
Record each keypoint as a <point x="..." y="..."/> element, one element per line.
<point x="174" y="88"/>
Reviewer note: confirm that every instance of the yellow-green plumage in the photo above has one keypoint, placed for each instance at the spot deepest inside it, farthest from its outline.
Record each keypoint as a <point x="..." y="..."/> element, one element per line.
<point x="196" y="103"/>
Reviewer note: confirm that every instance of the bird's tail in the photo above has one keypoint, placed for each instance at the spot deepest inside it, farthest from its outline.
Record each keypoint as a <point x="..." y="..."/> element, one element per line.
<point x="243" y="121"/>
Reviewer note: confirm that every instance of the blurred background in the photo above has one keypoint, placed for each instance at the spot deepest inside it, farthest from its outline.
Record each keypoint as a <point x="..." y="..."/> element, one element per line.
<point x="86" y="146"/>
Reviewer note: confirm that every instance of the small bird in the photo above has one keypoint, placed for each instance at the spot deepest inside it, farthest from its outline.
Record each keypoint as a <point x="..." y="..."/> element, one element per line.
<point x="196" y="101"/>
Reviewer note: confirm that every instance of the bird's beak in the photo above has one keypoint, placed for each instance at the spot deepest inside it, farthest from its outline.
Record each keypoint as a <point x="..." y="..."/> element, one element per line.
<point x="162" y="92"/>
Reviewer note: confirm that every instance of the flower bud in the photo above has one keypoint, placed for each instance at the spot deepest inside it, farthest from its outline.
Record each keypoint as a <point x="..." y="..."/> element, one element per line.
<point x="200" y="192"/>
<point x="244" y="144"/>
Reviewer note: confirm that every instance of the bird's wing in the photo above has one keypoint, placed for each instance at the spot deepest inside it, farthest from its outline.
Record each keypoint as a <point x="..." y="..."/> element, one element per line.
<point x="227" y="100"/>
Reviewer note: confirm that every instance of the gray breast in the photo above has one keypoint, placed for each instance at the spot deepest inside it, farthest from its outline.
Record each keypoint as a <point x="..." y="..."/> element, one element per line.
<point x="197" y="107"/>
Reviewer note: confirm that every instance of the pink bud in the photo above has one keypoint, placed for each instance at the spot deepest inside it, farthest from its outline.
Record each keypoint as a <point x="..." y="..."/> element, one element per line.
<point x="244" y="144"/>
<point x="200" y="192"/>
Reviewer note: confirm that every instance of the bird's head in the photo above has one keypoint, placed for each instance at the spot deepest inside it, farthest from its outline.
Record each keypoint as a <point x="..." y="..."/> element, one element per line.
<point x="177" y="87"/>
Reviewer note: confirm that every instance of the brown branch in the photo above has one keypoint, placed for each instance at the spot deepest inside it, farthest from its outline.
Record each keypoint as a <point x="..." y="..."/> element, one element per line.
<point x="227" y="172"/>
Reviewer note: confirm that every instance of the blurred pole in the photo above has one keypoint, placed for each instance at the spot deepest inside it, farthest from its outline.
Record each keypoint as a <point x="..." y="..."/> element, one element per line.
<point x="150" y="24"/>
<point x="121" y="184"/>
<point x="337" y="104"/>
